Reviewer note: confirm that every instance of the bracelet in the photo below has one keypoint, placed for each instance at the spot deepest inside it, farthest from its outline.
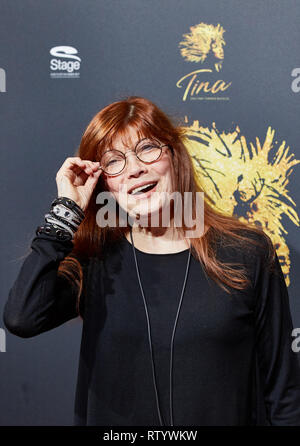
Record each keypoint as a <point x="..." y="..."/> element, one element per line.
<point x="66" y="213"/>
<point x="69" y="203"/>
<point x="64" y="225"/>
<point x="53" y="216"/>
<point x="59" y="224"/>
<point x="58" y="233"/>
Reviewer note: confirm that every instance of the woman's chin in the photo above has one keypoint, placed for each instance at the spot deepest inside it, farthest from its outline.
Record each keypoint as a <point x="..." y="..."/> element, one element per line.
<point x="146" y="210"/>
<point x="153" y="217"/>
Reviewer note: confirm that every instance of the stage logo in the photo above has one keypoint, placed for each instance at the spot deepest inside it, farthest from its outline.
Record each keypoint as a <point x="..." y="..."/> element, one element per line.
<point x="2" y="81"/>
<point x="65" y="62"/>
<point x="247" y="179"/>
<point x="204" y="45"/>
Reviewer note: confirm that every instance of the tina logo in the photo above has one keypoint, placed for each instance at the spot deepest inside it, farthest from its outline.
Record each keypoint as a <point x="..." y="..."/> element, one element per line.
<point x="65" y="62"/>
<point x="204" y="45"/>
<point x="247" y="179"/>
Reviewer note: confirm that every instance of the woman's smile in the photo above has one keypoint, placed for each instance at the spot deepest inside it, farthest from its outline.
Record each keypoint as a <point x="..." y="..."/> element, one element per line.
<point x="140" y="194"/>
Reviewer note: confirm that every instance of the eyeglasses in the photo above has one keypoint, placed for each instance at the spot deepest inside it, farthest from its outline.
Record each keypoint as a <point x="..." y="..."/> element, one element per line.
<point x="147" y="150"/>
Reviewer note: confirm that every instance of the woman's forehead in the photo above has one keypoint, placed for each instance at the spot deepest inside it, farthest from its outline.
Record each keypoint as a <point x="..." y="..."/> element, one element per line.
<point x="128" y="140"/>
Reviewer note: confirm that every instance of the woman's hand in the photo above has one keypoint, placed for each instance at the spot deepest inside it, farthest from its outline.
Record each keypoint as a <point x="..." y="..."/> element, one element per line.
<point x="76" y="179"/>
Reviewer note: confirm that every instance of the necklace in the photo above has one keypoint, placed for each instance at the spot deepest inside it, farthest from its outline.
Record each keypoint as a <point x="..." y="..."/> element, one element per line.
<point x="149" y="333"/>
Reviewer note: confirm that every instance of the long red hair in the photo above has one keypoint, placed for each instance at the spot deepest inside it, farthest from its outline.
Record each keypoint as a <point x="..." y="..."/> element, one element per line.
<point x="149" y="121"/>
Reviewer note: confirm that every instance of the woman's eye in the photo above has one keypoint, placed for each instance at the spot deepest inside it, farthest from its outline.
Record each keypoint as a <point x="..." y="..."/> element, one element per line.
<point x="148" y="147"/>
<point x="111" y="162"/>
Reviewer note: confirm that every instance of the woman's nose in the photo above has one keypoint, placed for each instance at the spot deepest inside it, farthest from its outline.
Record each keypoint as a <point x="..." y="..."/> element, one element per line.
<point x="133" y="165"/>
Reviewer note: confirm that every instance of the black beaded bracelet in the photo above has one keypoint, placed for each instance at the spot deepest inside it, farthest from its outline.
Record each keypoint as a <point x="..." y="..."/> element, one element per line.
<point x="69" y="203"/>
<point x="52" y="230"/>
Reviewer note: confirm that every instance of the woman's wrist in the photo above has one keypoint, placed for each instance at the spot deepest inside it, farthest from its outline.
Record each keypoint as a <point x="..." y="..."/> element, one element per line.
<point x="63" y="219"/>
<point x="70" y="204"/>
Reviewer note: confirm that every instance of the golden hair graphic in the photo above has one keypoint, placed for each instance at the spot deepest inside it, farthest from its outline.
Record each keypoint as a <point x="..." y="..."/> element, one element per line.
<point x="202" y="41"/>
<point x="243" y="179"/>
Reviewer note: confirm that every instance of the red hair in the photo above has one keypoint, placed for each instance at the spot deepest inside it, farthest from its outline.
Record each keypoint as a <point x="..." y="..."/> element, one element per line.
<point x="148" y="120"/>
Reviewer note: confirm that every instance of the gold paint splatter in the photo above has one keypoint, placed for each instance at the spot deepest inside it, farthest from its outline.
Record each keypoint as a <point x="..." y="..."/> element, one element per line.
<point x="245" y="179"/>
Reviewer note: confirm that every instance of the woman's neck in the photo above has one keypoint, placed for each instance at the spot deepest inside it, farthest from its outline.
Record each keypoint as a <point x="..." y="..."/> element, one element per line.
<point x="158" y="240"/>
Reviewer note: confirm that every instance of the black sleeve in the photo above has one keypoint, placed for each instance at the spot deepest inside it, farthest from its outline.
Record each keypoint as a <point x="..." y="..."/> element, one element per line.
<point x="41" y="299"/>
<point x="278" y="363"/>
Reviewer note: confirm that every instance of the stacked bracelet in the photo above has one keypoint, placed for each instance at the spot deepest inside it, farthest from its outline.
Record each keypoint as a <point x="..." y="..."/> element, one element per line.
<point x="70" y="204"/>
<point x="53" y="230"/>
<point x="63" y="219"/>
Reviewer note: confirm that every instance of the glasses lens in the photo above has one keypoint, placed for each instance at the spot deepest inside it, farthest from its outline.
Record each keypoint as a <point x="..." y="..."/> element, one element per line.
<point x="112" y="162"/>
<point x="148" y="150"/>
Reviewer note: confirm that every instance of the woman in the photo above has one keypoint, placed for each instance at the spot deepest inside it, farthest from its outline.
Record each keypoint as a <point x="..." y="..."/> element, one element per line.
<point x="137" y="285"/>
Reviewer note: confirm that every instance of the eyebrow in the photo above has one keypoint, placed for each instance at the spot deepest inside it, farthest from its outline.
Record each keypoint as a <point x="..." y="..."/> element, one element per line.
<point x="142" y="139"/>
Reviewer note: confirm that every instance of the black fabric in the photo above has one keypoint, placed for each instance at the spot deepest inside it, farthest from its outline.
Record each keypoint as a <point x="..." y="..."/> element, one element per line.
<point x="223" y="343"/>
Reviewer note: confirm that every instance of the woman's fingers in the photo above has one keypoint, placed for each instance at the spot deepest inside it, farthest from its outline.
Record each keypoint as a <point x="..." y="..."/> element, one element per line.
<point x="92" y="179"/>
<point x="77" y="178"/>
<point x="77" y="165"/>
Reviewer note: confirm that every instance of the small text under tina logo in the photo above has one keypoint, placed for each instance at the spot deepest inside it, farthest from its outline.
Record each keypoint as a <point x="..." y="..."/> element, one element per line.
<point x="65" y="62"/>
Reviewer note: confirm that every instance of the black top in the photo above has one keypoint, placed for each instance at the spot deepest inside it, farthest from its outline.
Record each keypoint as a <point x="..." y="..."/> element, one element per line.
<point x="221" y="342"/>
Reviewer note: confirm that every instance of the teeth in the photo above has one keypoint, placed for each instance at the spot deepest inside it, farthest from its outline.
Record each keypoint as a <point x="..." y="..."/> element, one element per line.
<point x="137" y="189"/>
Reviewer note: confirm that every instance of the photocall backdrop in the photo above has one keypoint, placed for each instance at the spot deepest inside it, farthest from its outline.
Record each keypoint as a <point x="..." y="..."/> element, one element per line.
<point x="230" y="69"/>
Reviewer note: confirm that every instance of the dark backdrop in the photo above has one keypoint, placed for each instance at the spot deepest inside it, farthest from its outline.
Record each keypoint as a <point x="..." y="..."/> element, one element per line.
<point x="126" y="47"/>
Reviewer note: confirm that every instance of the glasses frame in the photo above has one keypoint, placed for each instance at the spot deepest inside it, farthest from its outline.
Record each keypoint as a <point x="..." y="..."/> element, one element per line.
<point x="128" y="151"/>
